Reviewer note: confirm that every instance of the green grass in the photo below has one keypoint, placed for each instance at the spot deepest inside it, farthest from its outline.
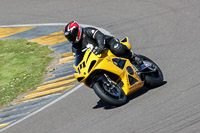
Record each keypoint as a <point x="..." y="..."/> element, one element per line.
<point x="22" y="65"/>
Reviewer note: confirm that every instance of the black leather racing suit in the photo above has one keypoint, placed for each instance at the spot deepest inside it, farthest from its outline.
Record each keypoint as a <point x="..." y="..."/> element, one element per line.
<point x="92" y="37"/>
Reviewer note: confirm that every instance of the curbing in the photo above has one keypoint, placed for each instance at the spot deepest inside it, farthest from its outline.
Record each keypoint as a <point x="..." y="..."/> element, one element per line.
<point x="56" y="86"/>
<point x="52" y="89"/>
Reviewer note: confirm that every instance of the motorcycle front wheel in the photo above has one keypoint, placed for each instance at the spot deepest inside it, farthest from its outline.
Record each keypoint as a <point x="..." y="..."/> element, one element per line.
<point x="114" y="96"/>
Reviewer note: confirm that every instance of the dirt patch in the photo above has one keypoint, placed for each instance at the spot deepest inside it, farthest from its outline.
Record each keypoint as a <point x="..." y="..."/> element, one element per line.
<point x="52" y="65"/>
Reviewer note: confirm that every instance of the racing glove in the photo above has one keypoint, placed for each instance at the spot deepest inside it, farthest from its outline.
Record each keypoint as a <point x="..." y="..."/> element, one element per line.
<point x="98" y="50"/>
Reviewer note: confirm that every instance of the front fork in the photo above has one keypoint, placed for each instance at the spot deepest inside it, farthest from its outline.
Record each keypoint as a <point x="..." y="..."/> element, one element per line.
<point x="111" y="83"/>
<point x="105" y="79"/>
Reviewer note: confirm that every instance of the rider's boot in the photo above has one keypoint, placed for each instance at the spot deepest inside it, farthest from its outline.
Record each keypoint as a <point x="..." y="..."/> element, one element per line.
<point x="136" y="59"/>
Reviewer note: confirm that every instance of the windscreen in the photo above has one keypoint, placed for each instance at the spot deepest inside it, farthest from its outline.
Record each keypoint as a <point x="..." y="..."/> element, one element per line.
<point x="79" y="56"/>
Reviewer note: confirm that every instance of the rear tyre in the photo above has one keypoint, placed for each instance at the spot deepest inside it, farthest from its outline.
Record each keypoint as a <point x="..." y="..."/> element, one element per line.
<point x="154" y="79"/>
<point x="115" y="98"/>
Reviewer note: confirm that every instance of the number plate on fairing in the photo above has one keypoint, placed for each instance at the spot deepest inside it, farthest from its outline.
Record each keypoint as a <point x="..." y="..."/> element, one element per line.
<point x="145" y="65"/>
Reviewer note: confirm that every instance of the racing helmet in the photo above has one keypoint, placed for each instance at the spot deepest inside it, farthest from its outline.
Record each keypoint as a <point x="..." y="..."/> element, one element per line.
<point x="73" y="32"/>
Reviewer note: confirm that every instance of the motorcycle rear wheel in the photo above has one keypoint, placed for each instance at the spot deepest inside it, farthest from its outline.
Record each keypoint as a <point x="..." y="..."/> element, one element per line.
<point x="154" y="79"/>
<point x="108" y="97"/>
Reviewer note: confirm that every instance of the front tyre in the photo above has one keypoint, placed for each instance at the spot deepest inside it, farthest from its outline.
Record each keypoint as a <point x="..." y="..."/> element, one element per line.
<point x="115" y="97"/>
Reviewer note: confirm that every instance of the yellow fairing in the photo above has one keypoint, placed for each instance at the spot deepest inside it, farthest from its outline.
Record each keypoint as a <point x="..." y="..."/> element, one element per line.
<point x="105" y="62"/>
<point x="125" y="41"/>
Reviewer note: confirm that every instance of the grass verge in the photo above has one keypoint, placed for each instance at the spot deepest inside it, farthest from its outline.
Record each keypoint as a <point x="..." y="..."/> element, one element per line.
<point x="22" y="65"/>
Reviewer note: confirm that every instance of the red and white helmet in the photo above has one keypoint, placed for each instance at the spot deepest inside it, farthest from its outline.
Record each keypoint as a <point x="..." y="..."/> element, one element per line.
<point x="73" y="32"/>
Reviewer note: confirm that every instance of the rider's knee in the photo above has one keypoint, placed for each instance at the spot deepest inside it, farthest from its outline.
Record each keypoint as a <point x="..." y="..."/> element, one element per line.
<point x="119" y="49"/>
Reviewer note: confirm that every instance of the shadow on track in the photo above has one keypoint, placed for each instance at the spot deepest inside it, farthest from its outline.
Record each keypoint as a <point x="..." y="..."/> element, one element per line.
<point x="102" y="104"/>
<point x="143" y="90"/>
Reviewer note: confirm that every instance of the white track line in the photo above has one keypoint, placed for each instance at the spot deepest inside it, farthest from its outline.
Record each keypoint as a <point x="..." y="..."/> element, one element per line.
<point x="28" y="25"/>
<point x="52" y="24"/>
<point x="44" y="107"/>
<point x="62" y="96"/>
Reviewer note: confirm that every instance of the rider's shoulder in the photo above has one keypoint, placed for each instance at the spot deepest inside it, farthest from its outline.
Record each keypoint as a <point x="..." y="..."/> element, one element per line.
<point x="89" y="29"/>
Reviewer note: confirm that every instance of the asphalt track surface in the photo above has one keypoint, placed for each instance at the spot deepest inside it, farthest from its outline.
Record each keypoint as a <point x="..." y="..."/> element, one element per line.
<point x="167" y="31"/>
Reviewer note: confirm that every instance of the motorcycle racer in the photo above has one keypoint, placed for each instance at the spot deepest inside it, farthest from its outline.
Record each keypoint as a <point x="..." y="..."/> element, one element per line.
<point x="83" y="38"/>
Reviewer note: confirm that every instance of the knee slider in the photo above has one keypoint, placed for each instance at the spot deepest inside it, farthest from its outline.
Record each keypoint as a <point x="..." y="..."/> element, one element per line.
<point x="119" y="49"/>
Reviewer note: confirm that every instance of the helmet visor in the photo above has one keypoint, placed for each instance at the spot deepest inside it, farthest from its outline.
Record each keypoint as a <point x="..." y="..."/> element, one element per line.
<point x="70" y="37"/>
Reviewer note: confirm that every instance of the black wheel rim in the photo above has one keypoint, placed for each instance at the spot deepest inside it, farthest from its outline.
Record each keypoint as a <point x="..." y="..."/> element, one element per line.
<point x="114" y="92"/>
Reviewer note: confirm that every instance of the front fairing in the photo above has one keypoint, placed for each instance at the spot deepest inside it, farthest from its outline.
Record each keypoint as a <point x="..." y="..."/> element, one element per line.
<point x="83" y="61"/>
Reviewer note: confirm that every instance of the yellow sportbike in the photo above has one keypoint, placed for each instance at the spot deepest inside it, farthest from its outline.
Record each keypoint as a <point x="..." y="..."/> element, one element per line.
<point x="114" y="78"/>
